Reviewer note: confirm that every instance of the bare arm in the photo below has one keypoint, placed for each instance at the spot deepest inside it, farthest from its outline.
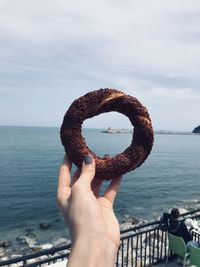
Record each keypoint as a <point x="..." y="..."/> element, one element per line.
<point x="90" y="218"/>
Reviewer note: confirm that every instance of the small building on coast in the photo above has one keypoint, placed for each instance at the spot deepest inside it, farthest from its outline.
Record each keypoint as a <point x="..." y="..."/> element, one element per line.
<point x="111" y="130"/>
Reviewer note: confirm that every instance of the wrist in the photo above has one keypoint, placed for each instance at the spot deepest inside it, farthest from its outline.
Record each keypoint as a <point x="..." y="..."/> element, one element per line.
<point x="93" y="250"/>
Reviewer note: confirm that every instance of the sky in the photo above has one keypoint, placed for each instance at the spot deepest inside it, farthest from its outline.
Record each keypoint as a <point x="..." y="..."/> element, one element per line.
<point x="52" y="52"/>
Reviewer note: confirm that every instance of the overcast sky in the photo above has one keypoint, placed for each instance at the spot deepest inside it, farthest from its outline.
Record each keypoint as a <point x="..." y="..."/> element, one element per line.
<point x="52" y="52"/>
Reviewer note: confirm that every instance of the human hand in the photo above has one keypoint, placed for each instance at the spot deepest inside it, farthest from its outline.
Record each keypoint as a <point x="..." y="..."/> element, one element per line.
<point x="89" y="217"/>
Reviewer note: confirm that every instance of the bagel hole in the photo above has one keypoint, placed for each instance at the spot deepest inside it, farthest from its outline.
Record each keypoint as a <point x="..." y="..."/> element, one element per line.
<point x="108" y="133"/>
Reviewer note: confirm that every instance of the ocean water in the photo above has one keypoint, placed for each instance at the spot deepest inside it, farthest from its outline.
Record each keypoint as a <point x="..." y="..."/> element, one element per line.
<point x="29" y="163"/>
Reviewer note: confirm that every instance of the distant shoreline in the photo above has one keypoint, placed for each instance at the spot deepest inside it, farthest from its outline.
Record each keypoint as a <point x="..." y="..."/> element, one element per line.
<point x="116" y="131"/>
<point x="174" y="133"/>
<point x="129" y="131"/>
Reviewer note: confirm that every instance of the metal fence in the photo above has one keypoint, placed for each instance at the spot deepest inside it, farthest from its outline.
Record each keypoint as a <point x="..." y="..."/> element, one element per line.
<point x="143" y="245"/>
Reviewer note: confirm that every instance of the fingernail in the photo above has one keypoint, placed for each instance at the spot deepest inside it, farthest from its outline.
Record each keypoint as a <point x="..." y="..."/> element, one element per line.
<point x="88" y="159"/>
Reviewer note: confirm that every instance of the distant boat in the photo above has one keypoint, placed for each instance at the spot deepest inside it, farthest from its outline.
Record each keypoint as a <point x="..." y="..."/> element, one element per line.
<point x="118" y="131"/>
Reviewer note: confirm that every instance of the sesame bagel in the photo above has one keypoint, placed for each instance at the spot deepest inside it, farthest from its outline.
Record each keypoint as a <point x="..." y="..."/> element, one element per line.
<point x="93" y="104"/>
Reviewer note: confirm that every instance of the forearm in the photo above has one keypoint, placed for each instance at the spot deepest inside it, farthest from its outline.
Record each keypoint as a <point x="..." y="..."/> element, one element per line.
<point x="93" y="252"/>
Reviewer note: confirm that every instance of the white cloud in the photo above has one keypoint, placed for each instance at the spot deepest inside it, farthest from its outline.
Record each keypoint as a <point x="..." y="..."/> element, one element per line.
<point x="59" y="50"/>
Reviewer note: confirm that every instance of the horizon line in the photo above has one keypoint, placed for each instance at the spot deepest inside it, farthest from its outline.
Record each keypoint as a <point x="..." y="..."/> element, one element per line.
<point x="39" y="126"/>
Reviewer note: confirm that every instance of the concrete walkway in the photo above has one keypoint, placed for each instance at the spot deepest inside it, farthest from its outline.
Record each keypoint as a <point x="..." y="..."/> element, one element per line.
<point x="64" y="263"/>
<point x="170" y="264"/>
<point x="59" y="264"/>
<point x="173" y="264"/>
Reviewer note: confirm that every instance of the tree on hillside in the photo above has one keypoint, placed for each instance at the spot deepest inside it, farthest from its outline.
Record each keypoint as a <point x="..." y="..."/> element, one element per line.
<point x="197" y="129"/>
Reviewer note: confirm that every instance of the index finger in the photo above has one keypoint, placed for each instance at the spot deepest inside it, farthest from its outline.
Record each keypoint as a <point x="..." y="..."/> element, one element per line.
<point x="64" y="177"/>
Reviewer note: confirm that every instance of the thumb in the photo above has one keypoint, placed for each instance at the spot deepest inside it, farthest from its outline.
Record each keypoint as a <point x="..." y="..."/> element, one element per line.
<point x="88" y="170"/>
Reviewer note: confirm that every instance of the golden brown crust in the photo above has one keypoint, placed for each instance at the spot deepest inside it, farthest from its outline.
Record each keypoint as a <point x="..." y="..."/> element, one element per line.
<point x="111" y="97"/>
<point x="93" y="104"/>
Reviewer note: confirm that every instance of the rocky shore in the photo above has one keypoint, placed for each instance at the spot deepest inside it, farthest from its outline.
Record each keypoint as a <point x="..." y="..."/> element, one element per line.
<point x="28" y="243"/>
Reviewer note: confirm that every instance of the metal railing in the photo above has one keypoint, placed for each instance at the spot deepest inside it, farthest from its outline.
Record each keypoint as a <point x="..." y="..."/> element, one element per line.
<point x="142" y="245"/>
<point x="146" y="244"/>
<point x="42" y="258"/>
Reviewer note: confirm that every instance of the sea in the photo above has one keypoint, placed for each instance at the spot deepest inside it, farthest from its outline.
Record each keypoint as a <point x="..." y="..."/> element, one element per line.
<point x="29" y="164"/>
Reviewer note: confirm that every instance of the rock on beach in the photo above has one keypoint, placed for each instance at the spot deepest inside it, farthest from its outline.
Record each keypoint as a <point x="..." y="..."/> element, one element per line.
<point x="31" y="242"/>
<point x="5" y="244"/>
<point x="45" y="226"/>
<point x="130" y="222"/>
<point x="60" y="241"/>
